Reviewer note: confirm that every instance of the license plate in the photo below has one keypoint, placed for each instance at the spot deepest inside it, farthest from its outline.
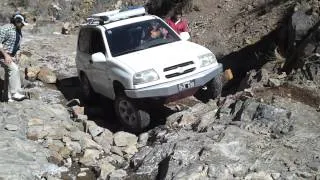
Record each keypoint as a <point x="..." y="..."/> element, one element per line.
<point x="186" y="85"/>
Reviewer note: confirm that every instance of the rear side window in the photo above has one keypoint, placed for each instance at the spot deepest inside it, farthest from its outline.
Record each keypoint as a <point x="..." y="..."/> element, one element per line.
<point x="97" y="43"/>
<point x="84" y="40"/>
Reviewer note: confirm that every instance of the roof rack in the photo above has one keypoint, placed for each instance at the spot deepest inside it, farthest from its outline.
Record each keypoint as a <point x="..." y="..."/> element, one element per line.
<point x="115" y="15"/>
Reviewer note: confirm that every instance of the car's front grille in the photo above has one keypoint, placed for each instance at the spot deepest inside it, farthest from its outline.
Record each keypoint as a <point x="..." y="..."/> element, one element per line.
<point x="177" y="66"/>
<point x="178" y="74"/>
<point x="179" y="69"/>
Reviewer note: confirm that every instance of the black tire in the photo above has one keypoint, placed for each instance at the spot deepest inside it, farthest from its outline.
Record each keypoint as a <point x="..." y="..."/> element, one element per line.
<point x="215" y="87"/>
<point x="213" y="90"/>
<point x="88" y="93"/>
<point x="130" y="115"/>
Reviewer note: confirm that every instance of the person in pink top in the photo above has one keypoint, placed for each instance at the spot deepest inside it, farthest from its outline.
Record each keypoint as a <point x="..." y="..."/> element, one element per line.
<point x="177" y="23"/>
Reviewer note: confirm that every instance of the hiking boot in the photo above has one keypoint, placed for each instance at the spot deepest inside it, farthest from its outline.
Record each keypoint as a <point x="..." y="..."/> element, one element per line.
<point x="18" y="97"/>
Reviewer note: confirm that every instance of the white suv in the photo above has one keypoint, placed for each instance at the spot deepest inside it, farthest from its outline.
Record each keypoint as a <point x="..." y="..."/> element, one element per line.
<point x="132" y="57"/>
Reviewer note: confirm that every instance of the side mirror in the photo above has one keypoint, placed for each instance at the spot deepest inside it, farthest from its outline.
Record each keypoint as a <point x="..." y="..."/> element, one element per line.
<point x="185" y="36"/>
<point x="98" y="57"/>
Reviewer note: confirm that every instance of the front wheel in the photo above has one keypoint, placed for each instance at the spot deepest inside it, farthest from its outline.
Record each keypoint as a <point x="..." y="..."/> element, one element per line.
<point x="130" y="115"/>
<point x="213" y="89"/>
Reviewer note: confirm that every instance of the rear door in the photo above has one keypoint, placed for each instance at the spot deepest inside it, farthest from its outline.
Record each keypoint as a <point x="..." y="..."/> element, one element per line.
<point x="83" y="55"/>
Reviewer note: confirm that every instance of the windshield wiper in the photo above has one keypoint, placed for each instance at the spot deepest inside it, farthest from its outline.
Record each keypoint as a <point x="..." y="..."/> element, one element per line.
<point x="159" y="44"/>
<point x="129" y="51"/>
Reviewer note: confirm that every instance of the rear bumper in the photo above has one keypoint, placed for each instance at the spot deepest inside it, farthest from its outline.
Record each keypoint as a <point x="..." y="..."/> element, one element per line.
<point x="171" y="88"/>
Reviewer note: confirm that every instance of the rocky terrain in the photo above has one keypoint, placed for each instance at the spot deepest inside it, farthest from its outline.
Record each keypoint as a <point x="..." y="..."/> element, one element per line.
<point x="265" y="126"/>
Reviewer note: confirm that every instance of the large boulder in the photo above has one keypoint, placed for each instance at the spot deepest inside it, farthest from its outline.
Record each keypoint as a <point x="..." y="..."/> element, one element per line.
<point x="47" y="76"/>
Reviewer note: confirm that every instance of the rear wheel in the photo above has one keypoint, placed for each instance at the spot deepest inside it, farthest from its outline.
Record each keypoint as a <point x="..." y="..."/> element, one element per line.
<point x="130" y="114"/>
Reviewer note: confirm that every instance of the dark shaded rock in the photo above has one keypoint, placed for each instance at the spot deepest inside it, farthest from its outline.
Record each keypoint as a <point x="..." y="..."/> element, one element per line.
<point x="138" y="158"/>
<point x="265" y="119"/>
<point x="150" y="165"/>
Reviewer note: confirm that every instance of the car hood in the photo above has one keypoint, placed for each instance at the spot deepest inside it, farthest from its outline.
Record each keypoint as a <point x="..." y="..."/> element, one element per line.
<point x="163" y="56"/>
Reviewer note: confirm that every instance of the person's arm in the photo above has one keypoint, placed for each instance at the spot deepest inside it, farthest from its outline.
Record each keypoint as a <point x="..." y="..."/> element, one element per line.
<point x="7" y="57"/>
<point x="185" y="26"/>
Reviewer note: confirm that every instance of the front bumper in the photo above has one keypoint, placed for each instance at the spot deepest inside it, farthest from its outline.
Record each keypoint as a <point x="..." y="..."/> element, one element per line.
<point x="171" y="88"/>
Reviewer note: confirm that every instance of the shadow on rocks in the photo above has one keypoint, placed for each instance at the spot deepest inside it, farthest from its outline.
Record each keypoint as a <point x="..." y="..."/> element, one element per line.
<point x="253" y="56"/>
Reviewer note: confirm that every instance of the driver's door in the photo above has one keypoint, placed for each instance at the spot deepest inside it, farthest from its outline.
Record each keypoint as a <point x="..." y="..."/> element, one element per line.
<point x="99" y="69"/>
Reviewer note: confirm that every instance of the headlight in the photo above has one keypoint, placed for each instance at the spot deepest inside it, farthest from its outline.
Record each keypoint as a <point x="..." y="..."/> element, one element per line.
<point x="207" y="59"/>
<point x="145" y="76"/>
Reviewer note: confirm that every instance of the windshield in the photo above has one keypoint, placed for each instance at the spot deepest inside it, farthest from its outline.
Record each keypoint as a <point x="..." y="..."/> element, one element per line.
<point x="139" y="36"/>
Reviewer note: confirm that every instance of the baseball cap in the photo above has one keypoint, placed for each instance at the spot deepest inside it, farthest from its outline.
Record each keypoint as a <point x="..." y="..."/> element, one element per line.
<point x="20" y="18"/>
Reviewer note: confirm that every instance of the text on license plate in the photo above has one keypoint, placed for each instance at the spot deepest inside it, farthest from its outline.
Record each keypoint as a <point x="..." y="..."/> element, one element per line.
<point x="186" y="85"/>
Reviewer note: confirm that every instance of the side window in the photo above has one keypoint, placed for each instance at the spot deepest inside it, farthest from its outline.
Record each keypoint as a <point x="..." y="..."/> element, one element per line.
<point x="84" y="40"/>
<point x="97" y="43"/>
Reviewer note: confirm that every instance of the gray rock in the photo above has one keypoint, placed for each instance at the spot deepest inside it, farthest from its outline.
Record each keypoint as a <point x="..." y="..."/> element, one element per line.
<point x="195" y="171"/>
<point x="115" y="160"/>
<point x="181" y="119"/>
<point x="149" y="167"/>
<point x="205" y="121"/>
<point x="54" y="145"/>
<point x="94" y="129"/>
<point x="138" y="158"/>
<point x="274" y="82"/>
<point x="68" y="163"/>
<point x="118" y="174"/>
<point x="82" y="118"/>
<point x="57" y="133"/>
<point x="74" y="146"/>
<point x="315" y="166"/>
<point x="123" y="139"/>
<point x="87" y="143"/>
<point x="78" y="135"/>
<point x="275" y="176"/>
<point x="55" y="158"/>
<point x="106" y="169"/>
<point x="143" y="139"/>
<point x="259" y="175"/>
<point x="130" y="151"/>
<point x="90" y="157"/>
<point x="66" y="139"/>
<point x="260" y="118"/>
<point x="36" y="132"/>
<point x="35" y="122"/>
<point x="105" y="140"/>
<point x="11" y="127"/>
<point x="82" y="174"/>
<point x="219" y="172"/>
<point x="116" y="150"/>
<point x="65" y="152"/>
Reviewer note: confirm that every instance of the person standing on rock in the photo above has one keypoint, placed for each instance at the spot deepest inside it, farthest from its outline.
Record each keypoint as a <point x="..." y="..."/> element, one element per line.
<point x="10" y="38"/>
